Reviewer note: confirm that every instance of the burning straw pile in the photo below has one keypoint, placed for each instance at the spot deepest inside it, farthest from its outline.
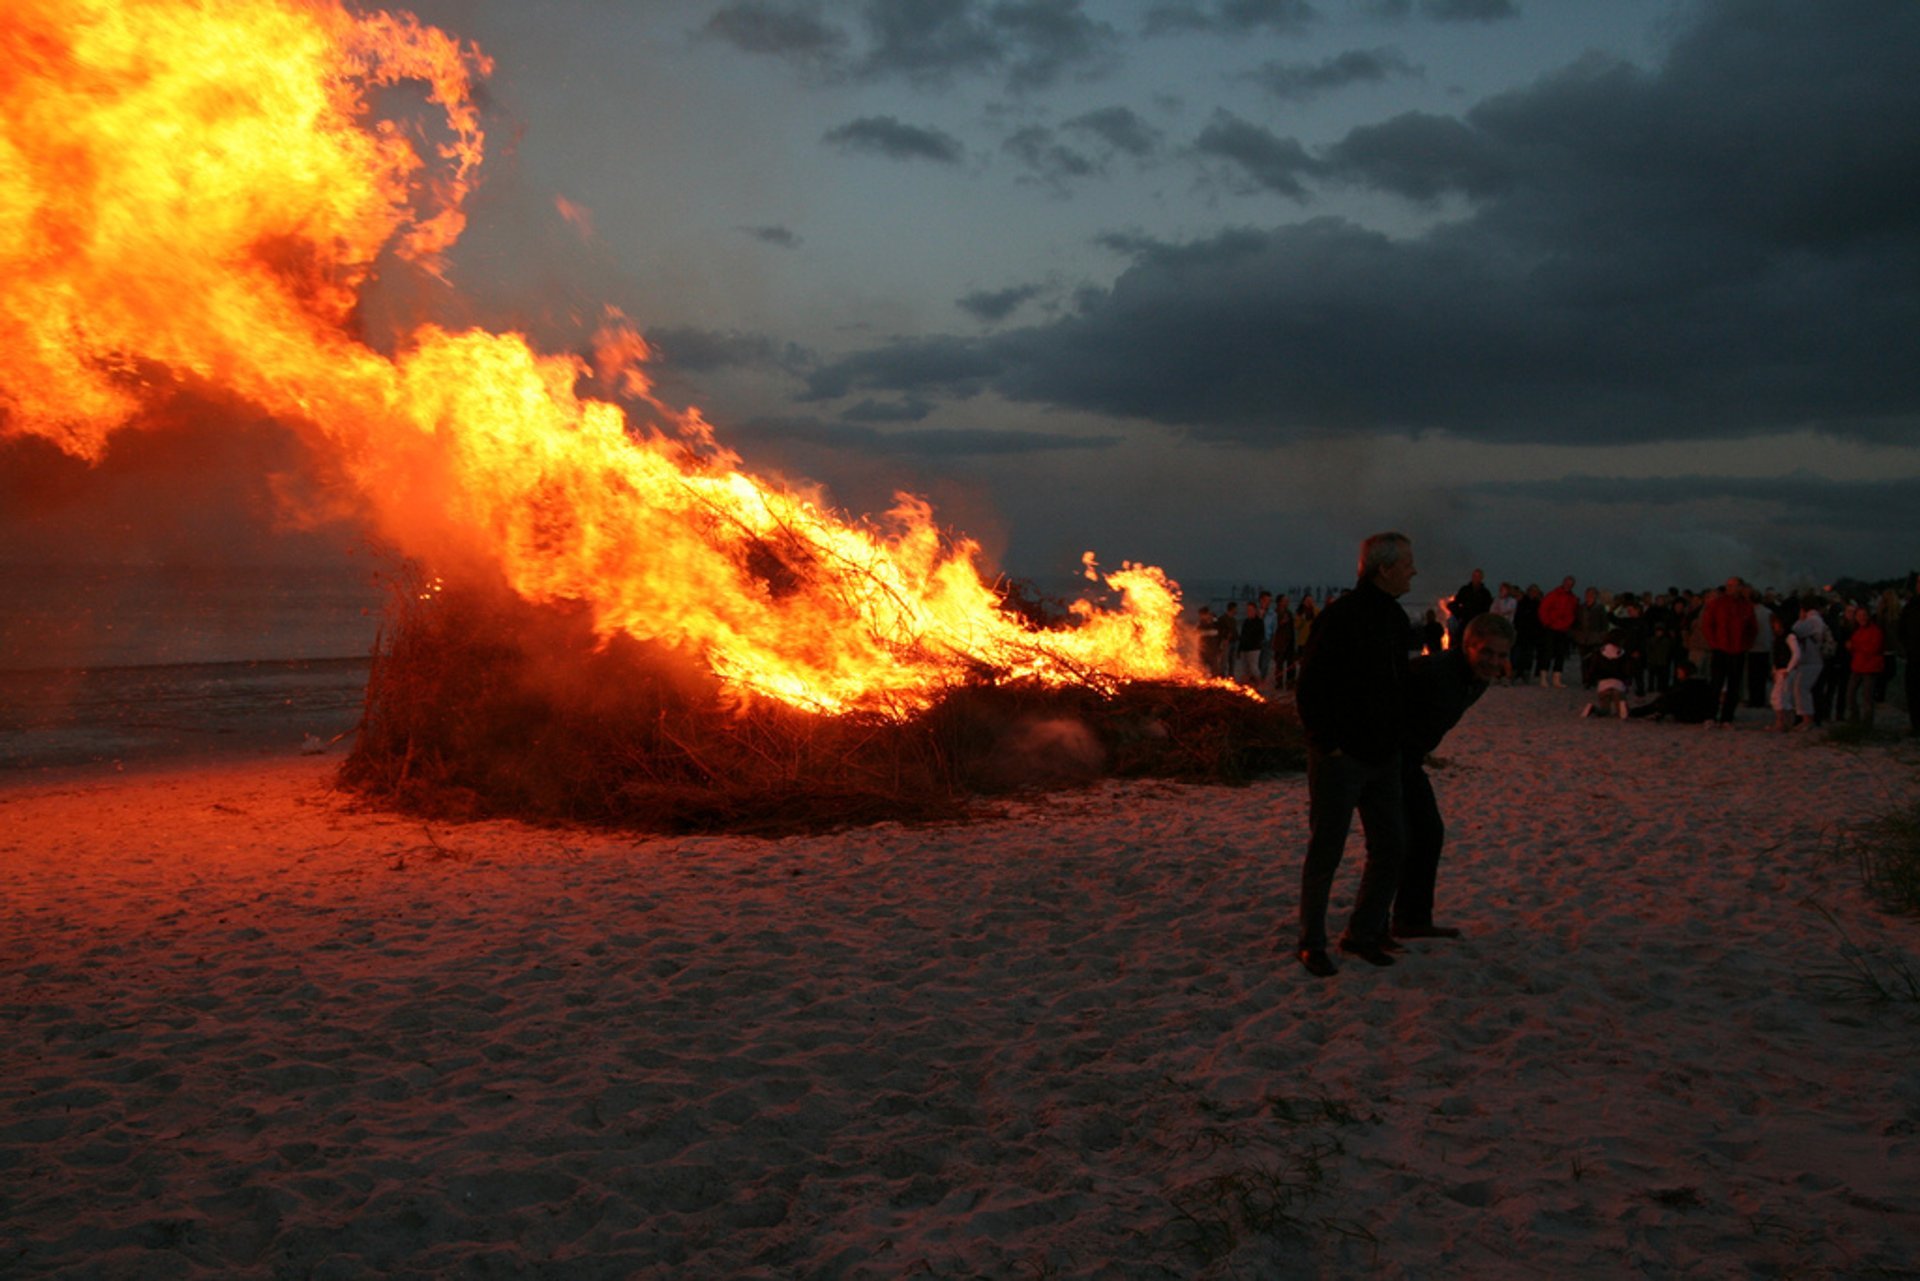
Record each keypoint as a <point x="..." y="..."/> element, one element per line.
<point x="481" y="704"/>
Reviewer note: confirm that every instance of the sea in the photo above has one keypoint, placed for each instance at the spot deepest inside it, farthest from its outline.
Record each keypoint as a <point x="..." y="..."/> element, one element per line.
<point x="122" y="666"/>
<point x="136" y="665"/>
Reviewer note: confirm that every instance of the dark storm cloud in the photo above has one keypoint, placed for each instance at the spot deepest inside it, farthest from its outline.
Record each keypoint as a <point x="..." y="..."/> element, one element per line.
<point x="781" y="236"/>
<point x="1422" y="157"/>
<point x="886" y="136"/>
<point x="1030" y="44"/>
<point x="1260" y="156"/>
<point x="1448" y="10"/>
<point x="1119" y="128"/>
<point x="1301" y="81"/>
<point x="794" y="31"/>
<point x="996" y="305"/>
<point x="1724" y="245"/>
<point x="705" y="351"/>
<point x="930" y="443"/>
<point x="1232" y="17"/>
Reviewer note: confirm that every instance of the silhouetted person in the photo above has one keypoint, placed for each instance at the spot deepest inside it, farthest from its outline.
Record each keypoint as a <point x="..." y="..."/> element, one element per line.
<point x="1440" y="689"/>
<point x="1352" y="704"/>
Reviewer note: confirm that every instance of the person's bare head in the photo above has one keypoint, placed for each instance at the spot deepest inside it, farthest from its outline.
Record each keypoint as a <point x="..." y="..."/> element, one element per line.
<point x="1487" y="643"/>
<point x="1386" y="561"/>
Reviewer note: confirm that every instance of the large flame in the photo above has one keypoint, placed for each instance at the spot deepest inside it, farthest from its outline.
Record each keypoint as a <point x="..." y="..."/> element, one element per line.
<point x="192" y="195"/>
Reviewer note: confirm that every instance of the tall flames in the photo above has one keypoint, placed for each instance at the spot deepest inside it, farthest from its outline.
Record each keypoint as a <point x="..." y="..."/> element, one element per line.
<point x="192" y="197"/>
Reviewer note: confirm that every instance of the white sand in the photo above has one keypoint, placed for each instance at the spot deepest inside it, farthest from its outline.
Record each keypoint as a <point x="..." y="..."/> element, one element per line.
<point x="250" y="1029"/>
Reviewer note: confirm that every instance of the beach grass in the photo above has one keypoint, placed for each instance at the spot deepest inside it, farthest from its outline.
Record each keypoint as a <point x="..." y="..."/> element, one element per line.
<point x="1886" y="850"/>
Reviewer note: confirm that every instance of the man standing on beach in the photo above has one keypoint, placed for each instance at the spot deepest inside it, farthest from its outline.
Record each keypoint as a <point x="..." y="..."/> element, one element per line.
<point x="1559" y="613"/>
<point x="1727" y="622"/>
<point x="1440" y="689"/>
<point x="1352" y="701"/>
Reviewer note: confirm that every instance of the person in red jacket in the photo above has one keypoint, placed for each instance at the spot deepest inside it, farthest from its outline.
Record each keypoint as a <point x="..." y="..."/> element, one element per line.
<point x="1866" y="659"/>
<point x="1559" y="613"/>
<point x="1728" y="624"/>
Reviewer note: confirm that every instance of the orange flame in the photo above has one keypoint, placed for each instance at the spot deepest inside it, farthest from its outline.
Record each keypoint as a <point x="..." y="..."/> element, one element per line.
<point x="192" y="197"/>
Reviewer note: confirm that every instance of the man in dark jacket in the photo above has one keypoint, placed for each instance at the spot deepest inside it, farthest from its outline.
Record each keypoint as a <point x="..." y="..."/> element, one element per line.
<point x="1472" y="600"/>
<point x="1440" y="689"/>
<point x="1352" y="701"/>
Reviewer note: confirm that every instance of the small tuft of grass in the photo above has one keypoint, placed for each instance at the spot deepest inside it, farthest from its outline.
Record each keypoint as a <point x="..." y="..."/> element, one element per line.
<point x="1864" y="974"/>
<point x="1886" y="849"/>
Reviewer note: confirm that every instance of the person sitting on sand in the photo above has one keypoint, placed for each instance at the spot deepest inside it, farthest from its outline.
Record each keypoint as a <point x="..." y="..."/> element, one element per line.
<point x="1689" y="700"/>
<point x="1610" y="669"/>
<point x="1440" y="689"/>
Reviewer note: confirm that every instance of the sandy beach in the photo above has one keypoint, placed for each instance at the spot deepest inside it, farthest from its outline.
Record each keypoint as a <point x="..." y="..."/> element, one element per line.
<point x="251" y="1028"/>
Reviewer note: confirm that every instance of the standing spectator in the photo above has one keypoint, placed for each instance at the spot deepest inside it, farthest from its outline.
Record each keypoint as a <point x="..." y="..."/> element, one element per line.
<point x="1559" y="616"/>
<point x="1783" y="654"/>
<point x="1909" y="629"/>
<point x="1303" y="623"/>
<point x="1867" y="658"/>
<point x="1591" y="632"/>
<point x="1269" y="615"/>
<point x="1660" y="646"/>
<point x="1283" y="643"/>
<point x="1209" y="630"/>
<point x="1229" y="627"/>
<point x="1352" y="705"/>
<point x="1816" y="644"/>
<point x="1529" y="637"/>
<point x="1727" y="623"/>
<point x="1472" y="600"/>
<point x="1253" y="639"/>
<point x="1830" y="685"/>
<point x="1759" y="654"/>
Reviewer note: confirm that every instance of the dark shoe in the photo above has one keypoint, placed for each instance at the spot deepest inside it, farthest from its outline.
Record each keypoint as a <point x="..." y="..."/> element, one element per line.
<point x="1425" y="932"/>
<point x="1318" y="963"/>
<point x="1367" y="950"/>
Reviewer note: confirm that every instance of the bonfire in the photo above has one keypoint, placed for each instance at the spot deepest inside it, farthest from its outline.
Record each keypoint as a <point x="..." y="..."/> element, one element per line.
<point x="604" y="612"/>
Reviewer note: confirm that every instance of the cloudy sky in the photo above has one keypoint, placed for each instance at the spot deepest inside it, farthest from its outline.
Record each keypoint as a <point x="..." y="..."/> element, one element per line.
<point x="1628" y="290"/>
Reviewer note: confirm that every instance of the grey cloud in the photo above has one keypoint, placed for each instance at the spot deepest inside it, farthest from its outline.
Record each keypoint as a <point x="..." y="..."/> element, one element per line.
<point x="1447" y="10"/>
<point x="1865" y="505"/>
<point x="1422" y="157"/>
<point x="1265" y="159"/>
<point x="1231" y="16"/>
<point x="886" y="136"/>
<point x="996" y="305"/>
<point x="1469" y="10"/>
<point x="1046" y="159"/>
<point x="1119" y="128"/>
<point x="705" y="350"/>
<point x="1030" y="44"/>
<point x="1300" y="81"/>
<point x="1723" y="246"/>
<point x="942" y="442"/>
<point x="773" y="235"/>
<point x="794" y="31"/>
<point x="911" y="410"/>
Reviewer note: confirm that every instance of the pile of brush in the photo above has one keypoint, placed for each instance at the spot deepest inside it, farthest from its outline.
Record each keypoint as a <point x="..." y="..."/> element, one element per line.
<point x="478" y="705"/>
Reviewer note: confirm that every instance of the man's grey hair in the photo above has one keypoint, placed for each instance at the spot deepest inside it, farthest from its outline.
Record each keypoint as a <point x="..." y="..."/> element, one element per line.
<point x="1378" y="551"/>
<point x="1488" y="627"/>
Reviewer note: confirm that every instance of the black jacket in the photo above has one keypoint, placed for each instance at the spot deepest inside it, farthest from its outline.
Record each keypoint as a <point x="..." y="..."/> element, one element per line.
<point x="1353" y="675"/>
<point x="1440" y="689"/>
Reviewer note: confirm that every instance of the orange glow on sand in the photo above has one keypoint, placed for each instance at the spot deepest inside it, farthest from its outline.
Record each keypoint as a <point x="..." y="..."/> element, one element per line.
<point x="192" y="197"/>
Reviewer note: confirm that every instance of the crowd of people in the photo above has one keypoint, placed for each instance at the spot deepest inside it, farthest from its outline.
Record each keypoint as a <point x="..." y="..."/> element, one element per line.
<point x="1377" y="694"/>
<point x="1808" y="657"/>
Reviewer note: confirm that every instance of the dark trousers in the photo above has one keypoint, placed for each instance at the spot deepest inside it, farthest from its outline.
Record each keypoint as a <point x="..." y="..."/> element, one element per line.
<point x="1724" y="673"/>
<point x="1558" y="645"/>
<point x="1426" y="833"/>
<point x="1337" y="786"/>
<point x="1759" y="679"/>
<point x="1911" y="676"/>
